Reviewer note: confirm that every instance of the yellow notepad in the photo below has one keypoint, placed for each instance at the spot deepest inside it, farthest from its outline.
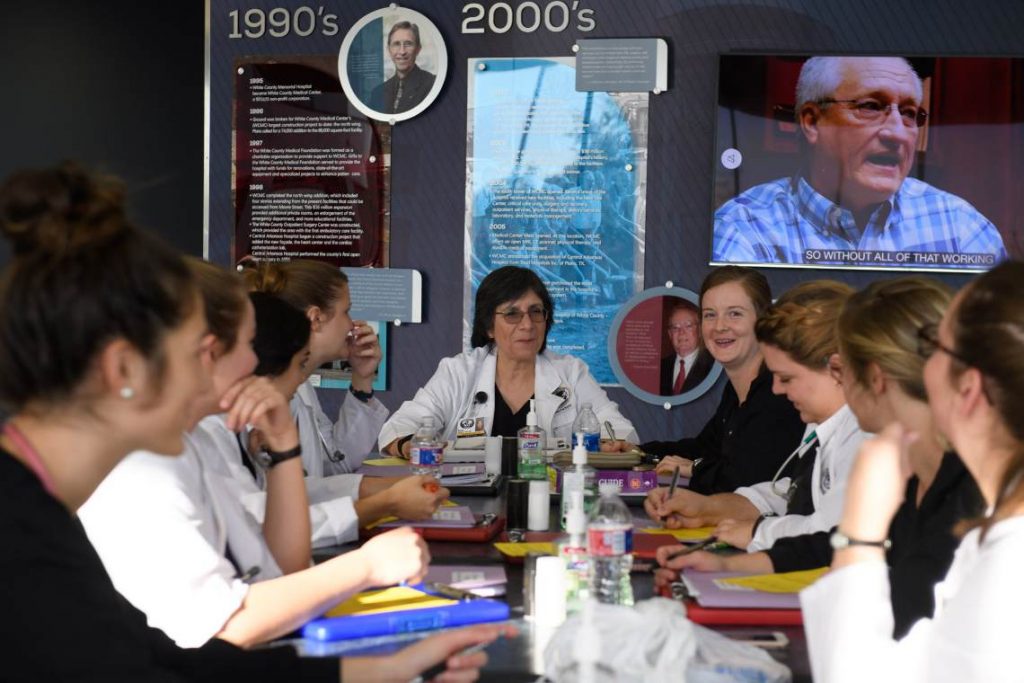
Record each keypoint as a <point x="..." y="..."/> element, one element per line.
<point x="787" y="582"/>
<point x="387" y="600"/>
<point x="385" y="462"/>
<point x="685" y="535"/>
<point x="524" y="549"/>
<point x="447" y="502"/>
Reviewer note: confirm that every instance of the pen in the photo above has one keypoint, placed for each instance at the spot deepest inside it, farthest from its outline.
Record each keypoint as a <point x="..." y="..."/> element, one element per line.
<point x="611" y="430"/>
<point x="708" y="543"/>
<point x="432" y="487"/>
<point x="442" y="666"/>
<point x="450" y="591"/>
<point x="672" y="486"/>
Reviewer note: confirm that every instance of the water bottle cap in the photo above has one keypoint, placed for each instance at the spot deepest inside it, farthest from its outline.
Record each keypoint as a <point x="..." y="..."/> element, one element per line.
<point x="608" y="488"/>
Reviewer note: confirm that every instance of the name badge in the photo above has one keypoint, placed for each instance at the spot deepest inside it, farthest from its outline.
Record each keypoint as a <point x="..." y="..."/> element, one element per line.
<point x="470" y="426"/>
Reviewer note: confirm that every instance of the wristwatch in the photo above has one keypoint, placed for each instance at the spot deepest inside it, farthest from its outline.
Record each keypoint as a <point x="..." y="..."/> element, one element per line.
<point x="838" y="540"/>
<point x="268" y="458"/>
<point x="363" y="396"/>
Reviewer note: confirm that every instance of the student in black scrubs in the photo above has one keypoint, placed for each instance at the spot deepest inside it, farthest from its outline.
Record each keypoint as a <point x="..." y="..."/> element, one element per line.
<point x="753" y="429"/>
<point x="881" y="374"/>
<point x="103" y="348"/>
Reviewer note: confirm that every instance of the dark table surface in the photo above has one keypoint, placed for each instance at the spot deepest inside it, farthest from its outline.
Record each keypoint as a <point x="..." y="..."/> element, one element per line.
<point x="521" y="659"/>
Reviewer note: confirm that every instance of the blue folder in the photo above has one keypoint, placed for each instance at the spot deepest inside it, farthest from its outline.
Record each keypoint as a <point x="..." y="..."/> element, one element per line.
<point x="405" y="621"/>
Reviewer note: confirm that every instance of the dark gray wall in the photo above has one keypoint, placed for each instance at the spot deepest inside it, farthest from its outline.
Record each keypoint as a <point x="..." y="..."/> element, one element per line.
<point x="119" y="84"/>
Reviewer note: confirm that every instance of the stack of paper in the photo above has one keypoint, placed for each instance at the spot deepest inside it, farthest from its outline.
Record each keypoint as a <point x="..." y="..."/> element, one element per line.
<point x="484" y="580"/>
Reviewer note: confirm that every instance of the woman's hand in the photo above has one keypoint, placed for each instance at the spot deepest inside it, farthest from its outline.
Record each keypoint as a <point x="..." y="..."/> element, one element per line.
<point x="683" y="511"/>
<point x="255" y="401"/>
<point x="701" y="560"/>
<point x="669" y="463"/>
<point x="395" y="556"/>
<point x="416" y="497"/>
<point x="406" y="665"/>
<point x="736" y="534"/>
<point x="364" y="355"/>
<point x="877" y="484"/>
<point x="617" y="446"/>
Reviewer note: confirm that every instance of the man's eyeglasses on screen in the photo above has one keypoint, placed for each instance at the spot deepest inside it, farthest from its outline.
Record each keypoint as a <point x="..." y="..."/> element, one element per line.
<point x="870" y="110"/>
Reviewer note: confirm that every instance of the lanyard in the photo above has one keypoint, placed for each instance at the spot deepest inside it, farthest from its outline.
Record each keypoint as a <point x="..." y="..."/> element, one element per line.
<point x="30" y="457"/>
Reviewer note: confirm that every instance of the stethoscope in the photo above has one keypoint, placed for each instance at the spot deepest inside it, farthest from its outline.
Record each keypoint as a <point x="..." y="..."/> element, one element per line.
<point x="807" y="444"/>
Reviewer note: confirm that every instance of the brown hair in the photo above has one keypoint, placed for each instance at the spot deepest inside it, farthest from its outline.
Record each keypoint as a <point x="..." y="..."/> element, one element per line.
<point x="879" y="324"/>
<point x="224" y="299"/>
<point x="301" y="283"/>
<point x="753" y="283"/>
<point x="802" y="323"/>
<point x="82" y="276"/>
<point x="988" y="334"/>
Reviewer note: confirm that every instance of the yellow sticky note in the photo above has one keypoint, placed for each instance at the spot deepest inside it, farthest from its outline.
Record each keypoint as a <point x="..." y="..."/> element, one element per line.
<point x="524" y="549"/>
<point x="787" y="582"/>
<point x="387" y="600"/>
<point x="685" y="535"/>
<point x="385" y="462"/>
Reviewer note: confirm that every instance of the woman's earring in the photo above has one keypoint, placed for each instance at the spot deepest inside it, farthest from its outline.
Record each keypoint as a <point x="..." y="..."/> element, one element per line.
<point x="127" y="393"/>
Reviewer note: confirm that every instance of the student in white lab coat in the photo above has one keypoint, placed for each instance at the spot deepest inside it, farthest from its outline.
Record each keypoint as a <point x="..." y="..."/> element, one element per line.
<point x="486" y="391"/>
<point x="321" y="291"/>
<point x="197" y="564"/>
<point x="974" y="377"/>
<point x="799" y="341"/>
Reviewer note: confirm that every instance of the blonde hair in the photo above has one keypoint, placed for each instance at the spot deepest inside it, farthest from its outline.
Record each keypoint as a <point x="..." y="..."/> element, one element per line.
<point x="303" y="284"/>
<point x="880" y="323"/>
<point x="802" y="323"/>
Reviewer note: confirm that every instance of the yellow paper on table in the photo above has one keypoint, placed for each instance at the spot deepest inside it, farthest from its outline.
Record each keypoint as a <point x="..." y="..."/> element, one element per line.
<point x="385" y="462"/>
<point x="524" y="549"/>
<point x="447" y="502"/>
<point x="387" y="600"/>
<point x="685" y="535"/>
<point x="787" y="582"/>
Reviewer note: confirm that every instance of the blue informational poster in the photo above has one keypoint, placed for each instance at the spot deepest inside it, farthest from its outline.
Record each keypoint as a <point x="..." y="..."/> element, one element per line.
<point x="556" y="182"/>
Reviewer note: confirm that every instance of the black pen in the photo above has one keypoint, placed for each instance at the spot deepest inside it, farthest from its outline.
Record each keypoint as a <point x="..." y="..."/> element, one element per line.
<point x="707" y="542"/>
<point x="672" y="486"/>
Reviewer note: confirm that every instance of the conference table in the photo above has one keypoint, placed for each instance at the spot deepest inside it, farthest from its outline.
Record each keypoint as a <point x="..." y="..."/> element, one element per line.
<point x="521" y="658"/>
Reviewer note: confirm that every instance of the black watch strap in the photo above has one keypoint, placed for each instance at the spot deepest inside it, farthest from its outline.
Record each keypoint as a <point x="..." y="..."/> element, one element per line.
<point x="278" y="457"/>
<point x="363" y="396"/>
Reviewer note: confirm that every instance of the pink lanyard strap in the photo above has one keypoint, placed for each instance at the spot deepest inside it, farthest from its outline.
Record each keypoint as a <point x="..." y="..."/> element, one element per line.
<point x="30" y="456"/>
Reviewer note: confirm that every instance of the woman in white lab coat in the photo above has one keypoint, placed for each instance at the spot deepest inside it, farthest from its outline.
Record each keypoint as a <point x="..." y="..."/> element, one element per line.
<point x="321" y="291"/>
<point x="486" y="391"/>
<point x="198" y="565"/>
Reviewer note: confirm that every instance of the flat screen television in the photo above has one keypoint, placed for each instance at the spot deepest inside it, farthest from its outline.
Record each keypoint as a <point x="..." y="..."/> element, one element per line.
<point x="877" y="167"/>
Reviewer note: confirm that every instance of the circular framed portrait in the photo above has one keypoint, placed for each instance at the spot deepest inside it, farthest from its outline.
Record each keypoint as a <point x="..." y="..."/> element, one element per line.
<point x="392" y="64"/>
<point x="656" y="350"/>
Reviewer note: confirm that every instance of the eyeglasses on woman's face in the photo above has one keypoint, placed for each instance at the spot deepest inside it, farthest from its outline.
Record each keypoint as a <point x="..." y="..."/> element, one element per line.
<point x="514" y="316"/>
<point x="928" y="343"/>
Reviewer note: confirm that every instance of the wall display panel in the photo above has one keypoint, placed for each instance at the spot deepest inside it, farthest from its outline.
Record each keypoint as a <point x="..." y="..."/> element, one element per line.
<point x="556" y="182"/>
<point x="310" y="175"/>
<point x="869" y="161"/>
<point x="428" y="152"/>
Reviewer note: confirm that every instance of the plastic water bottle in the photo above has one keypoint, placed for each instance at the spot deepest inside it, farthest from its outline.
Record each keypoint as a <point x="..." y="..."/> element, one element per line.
<point x="531" y="448"/>
<point x="610" y="547"/>
<point x="586" y="422"/>
<point x="572" y="548"/>
<point x="427" y="452"/>
<point x="580" y="478"/>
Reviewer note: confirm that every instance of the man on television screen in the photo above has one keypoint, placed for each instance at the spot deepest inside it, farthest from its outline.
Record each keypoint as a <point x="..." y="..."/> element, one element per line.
<point x="410" y="84"/>
<point x="690" y="363"/>
<point x="851" y="202"/>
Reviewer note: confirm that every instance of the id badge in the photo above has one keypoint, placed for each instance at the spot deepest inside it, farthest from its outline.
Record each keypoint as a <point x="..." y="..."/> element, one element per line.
<point x="470" y="427"/>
